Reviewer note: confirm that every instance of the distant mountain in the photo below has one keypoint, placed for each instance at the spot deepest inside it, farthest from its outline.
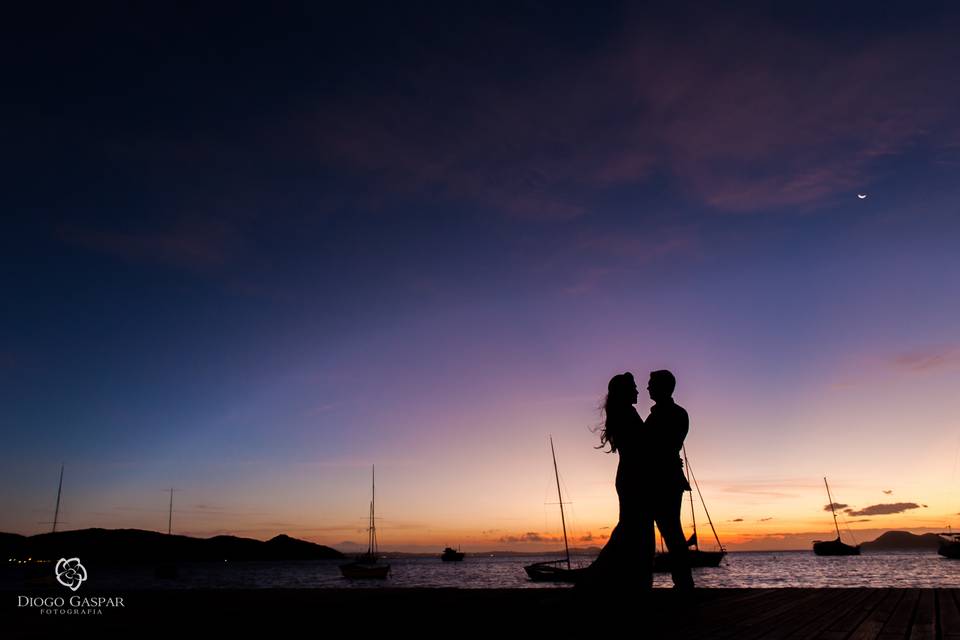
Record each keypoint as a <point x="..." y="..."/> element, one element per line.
<point x="903" y="540"/>
<point x="135" y="546"/>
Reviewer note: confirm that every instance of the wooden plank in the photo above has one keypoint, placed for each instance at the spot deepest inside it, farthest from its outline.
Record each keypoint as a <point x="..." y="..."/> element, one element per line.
<point x="949" y="614"/>
<point x="898" y="626"/>
<point x="717" y="619"/>
<point x="849" y="620"/>
<point x="844" y="601"/>
<point x="871" y="627"/>
<point x="924" y="624"/>
<point x="807" y="612"/>
<point x="758" y="622"/>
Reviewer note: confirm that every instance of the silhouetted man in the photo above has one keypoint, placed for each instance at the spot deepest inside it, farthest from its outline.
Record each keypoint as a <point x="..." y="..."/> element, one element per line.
<point x="666" y="427"/>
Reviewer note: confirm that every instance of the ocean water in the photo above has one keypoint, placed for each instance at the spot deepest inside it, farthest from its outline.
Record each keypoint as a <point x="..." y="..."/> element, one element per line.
<point x="766" y="569"/>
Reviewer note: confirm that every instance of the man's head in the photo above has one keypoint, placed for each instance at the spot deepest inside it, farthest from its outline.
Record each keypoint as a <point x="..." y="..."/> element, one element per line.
<point x="661" y="385"/>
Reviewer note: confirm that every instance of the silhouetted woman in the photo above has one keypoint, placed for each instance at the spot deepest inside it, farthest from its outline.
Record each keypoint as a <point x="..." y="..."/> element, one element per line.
<point x="627" y="558"/>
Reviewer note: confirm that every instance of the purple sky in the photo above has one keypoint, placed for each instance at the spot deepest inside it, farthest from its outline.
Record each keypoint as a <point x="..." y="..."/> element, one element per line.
<point x="249" y="254"/>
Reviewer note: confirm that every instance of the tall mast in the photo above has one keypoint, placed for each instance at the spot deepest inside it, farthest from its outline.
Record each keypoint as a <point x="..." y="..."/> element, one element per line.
<point x="834" y="511"/>
<point x="170" y="516"/>
<point x="696" y="484"/>
<point x="563" y="519"/>
<point x="693" y="512"/>
<point x="56" y="511"/>
<point x="372" y="545"/>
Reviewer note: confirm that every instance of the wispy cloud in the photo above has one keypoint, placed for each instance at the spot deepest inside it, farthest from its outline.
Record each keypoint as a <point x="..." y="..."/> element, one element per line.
<point x="883" y="509"/>
<point x="926" y="359"/>
<point x="529" y="537"/>
<point x="193" y="244"/>
<point x="719" y="115"/>
<point x="768" y="487"/>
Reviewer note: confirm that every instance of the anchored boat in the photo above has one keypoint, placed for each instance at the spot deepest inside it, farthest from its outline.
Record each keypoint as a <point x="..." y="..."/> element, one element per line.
<point x="555" y="570"/>
<point x="452" y="555"/>
<point x="367" y="565"/>
<point x="696" y="556"/>
<point x="950" y="545"/>
<point x="834" y="547"/>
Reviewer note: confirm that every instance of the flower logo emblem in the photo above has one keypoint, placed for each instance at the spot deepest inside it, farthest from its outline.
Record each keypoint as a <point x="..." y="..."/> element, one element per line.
<point x="70" y="573"/>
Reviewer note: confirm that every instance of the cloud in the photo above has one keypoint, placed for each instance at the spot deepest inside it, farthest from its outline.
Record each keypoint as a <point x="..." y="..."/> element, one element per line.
<point x="926" y="359"/>
<point x="764" y="519"/>
<point x="835" y="505"/>
<point x="733" y="127"/>
<point x="884" y="509"/>
<point x="530" y="536"/>
<point x="208" y="507"/>
<point x="192" y="244"/>
<point x="888" y="491"/>
<point x="736" y="520"/>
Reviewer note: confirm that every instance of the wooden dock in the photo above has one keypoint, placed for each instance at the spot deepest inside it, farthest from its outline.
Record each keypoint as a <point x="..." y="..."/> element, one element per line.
<point x="828" y="614"/>
<point x="734" y="614"/>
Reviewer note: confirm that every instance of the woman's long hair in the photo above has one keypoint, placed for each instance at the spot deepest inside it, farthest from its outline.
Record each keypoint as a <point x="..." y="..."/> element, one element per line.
<point x="615" y="408"/>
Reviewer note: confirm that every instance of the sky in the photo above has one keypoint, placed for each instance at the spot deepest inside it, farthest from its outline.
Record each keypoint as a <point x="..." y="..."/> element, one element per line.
<point x="250" y="252"/>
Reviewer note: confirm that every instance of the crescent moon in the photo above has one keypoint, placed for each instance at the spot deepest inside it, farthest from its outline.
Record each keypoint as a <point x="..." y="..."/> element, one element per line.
<point x="862" y="196"/>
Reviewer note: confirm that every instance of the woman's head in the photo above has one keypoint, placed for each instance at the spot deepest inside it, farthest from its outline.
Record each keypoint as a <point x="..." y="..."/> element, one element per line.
<point x="621" y="391"/>
<point x="621" y="396"/>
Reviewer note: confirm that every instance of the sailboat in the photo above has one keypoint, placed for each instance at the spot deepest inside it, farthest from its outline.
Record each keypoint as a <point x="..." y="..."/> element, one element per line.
<point x="367" y="565"/>
<point x="834" y="547"/>
<point x="554" y="570"/>
<point x="696" y="556"/>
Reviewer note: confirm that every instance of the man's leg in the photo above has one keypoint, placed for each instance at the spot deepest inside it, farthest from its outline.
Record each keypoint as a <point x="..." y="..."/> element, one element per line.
<point x="668" y="520"/>
<point x="646" y="548"/>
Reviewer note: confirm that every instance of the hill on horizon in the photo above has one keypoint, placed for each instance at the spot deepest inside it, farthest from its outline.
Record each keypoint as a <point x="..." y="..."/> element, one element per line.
<point x="902" y="540"/>
<point x="136" y="546"/>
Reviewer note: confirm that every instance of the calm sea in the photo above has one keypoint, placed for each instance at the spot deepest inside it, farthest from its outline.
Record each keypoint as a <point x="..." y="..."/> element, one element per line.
<point x="768" y="569"/>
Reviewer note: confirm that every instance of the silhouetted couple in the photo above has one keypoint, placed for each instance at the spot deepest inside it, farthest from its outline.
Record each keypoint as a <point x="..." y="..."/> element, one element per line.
<point x="650" y="484"/>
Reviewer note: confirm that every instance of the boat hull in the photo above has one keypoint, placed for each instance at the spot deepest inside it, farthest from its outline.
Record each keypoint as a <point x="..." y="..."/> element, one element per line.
<point x="835" y="548"/>
<point x="452" y="555"/>
<point x="949" y="548"/>
<point x="553" y="572"/>
<point x="698" y="560"/>
<point x="365" y="571"/>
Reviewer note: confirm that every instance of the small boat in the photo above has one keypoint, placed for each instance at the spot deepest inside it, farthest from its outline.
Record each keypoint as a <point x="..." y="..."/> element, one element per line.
<point x="950" y="545"/>
<point x="452" y="555"/>
<point x="696" y="556"/>
<point x="834" y="547"/>
<point x="367" y="565"/>
<point x="554" y="570"/>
